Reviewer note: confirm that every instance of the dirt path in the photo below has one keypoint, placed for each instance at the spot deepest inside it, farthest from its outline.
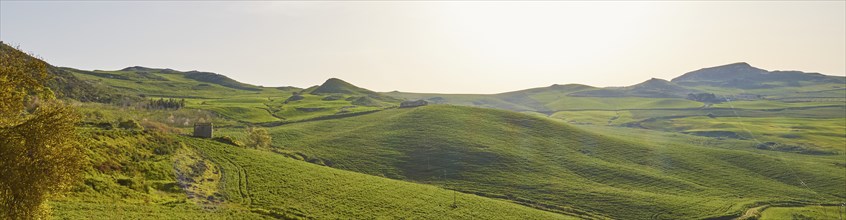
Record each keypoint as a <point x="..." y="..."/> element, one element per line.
<point x="243" y="183"/>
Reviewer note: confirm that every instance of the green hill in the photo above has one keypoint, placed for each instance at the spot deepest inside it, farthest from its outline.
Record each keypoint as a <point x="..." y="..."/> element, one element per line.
<point x="335" y="85"/>
<point x="745" y="76"/>
<point x="145" y="174"/>
<point x="286" y="187"/>
<point x="652" y="94"/>
<point x="232" y="99"/>
<point x="219" y="79"/>
<point x="553" y="166"/>
<point x="652" y="88"/>
<point x="338" y="86"/>
<point x="344" y="152"/>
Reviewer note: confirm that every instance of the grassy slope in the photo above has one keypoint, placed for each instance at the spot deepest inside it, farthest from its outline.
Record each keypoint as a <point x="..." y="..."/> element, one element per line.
<point x="282" y="186"/>
<point x="131" y="174"/>
<point x="810" y="212"/>
<point x="558" y="167"/>
<point x="824" y="134"/>
<point x="135" y="174"/>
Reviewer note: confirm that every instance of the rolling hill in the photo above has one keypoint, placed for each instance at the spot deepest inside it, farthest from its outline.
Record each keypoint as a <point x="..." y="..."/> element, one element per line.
<point x="559" y="152"/>
<point x="652" y="88"/>
<point x="553" y="166"/>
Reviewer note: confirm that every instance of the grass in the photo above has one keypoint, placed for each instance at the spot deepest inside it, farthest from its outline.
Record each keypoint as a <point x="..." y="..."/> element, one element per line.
<point x="551" y="99"/>
<point x="313" y="106"/>
<point x="807" y="212"/>
<point x="281" y="186"/>
<point x="131" y="174"/>
<point x="768" y="104"/>
<point x="136" y="174"/>
<point x="826" y="134"/>
<point x="617" y="103"/>
<point x="535" y="161"/>
<point x="119" y="210"/>
<point x="594" y="117"/>
<point x="401" y="163"/>
<point x="235" y="101"/>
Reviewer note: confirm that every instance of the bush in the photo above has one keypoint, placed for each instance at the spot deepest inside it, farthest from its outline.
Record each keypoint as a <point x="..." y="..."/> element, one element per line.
<point x="163" y="144"/>
<point x="130" y="124"/>
<point x="258" y="137"/>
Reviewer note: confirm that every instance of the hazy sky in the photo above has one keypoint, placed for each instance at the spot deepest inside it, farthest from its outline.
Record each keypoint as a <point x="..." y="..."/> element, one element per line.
<point x="448" y="47"/>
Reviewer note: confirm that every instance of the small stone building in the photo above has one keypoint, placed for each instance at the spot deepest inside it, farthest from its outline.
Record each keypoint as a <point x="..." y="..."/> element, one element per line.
<point x="410" y="104"/>
<point x="203" y="130"/>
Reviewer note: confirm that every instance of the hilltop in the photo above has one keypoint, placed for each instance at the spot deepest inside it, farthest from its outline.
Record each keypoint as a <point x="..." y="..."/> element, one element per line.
<point x="745" y="76"/>
<point x="338" y="86"/>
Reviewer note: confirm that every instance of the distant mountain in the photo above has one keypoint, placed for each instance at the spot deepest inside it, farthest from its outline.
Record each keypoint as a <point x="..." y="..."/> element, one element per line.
<point x="744" y="76"/>
<point x="652" y="88"/>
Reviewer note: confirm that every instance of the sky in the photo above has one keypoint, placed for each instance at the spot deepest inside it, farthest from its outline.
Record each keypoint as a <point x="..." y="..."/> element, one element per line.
<point x="437" y="46"/>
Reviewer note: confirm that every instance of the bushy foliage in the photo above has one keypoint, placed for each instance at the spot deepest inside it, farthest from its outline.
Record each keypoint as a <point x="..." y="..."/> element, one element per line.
<point x="162" y="103"/>
<point x="258" y="137"/>
<point x="704" y="97"/>
<point x="38" y="149"/>
<point x="129" y="124"/>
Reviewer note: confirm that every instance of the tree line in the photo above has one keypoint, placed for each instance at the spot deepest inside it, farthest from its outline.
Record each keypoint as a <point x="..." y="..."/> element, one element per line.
<point x="162" y="103"/>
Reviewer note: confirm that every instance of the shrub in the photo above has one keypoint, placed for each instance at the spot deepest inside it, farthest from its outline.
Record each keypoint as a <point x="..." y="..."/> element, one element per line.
<point x="258" y="137"/>
<point x="130" y="124"/>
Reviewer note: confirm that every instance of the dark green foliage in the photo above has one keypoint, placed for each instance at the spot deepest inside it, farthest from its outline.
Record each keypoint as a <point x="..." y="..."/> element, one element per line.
<point x="333" y="97"/>
<point x="130" y="124"/>
<point x="295" y="97"/>
<point x="162" y="103"/>
<point x="704" y="97"/>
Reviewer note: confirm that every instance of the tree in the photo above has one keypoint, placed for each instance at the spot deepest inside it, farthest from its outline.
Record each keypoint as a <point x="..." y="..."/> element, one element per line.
<point x="258" y="137"/>
<point x="39" y="155"/>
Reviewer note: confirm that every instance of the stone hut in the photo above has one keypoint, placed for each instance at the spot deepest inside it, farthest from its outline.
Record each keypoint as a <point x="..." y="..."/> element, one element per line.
<point x="203" y="130"/>
<point x="411" y="104"/>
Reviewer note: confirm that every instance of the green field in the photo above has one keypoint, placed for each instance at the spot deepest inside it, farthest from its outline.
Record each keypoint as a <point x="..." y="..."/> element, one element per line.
<point x="654" y="150"/>
<point x="515" y="156"/>
<point x="808" y="212"/>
